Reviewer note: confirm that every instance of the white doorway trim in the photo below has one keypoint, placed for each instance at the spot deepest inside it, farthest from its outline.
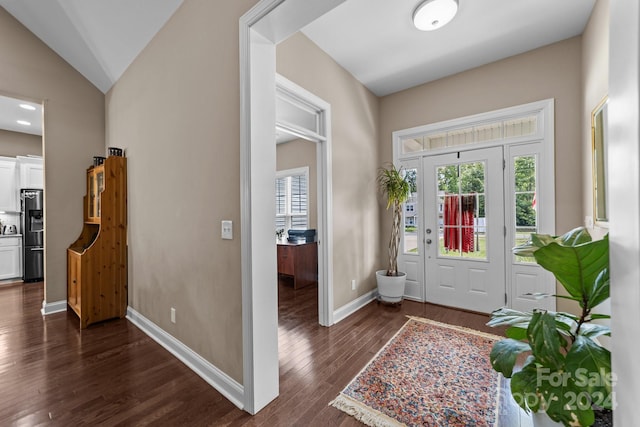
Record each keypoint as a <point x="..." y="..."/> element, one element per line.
<point x="324" y="184"/>
<point x="261" y="28"/>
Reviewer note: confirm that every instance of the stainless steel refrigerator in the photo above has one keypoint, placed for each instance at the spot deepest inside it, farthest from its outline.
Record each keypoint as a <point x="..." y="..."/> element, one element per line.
<point x="32" y="216"/>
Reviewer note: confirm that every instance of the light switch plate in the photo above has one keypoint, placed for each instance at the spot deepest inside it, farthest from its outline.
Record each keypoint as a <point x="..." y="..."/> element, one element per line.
<point x="227" y="230"/>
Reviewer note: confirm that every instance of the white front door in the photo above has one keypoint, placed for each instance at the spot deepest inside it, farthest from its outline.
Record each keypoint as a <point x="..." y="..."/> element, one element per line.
<point x="464" y="231"/>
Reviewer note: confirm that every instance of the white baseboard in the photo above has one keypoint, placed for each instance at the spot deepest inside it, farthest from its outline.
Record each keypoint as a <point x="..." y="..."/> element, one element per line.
<point x="53" y="307"/>
<point x="353" y="306"/>
<point x="226" y="385"/>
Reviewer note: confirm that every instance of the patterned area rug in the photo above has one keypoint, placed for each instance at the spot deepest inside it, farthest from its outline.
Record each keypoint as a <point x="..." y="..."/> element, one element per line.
<point x="428" y="374"/>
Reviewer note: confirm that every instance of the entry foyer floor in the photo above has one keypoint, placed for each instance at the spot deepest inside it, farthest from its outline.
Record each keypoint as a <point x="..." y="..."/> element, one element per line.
<point x="112" y="374"/>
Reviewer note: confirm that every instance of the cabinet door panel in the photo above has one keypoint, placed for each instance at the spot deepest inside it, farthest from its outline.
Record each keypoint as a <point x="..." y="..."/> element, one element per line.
<point x="8" y="187"/>
<point x="9" y="262"/>
<point x="285" y="260"/>
<point x="74" y="293"/>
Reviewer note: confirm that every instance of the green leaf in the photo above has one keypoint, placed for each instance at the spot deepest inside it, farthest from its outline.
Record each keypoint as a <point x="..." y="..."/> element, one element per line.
<point x="504" y="353"/>
<point x="575" y="237"/>
<point x="516" y="333"/>
<point x="595" y="316"/>
<point x="564" y="401"/>
<point x="569" y="297"/>
<point x="524" y="387"/>
<point x="600" y="289"/>
<point x="590" y="365"/>
<point x="576" y="267"/>
<point x="508" y="317"/>
<point x="537" y="241"/>
<point x="568" y="317"/>
<point x="545" y="340"/>
<point x="592" y="330"/>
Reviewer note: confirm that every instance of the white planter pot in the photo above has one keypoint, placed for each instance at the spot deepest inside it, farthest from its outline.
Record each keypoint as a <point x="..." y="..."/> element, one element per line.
<point x="390" y="288"/>
<point x="541" y="419"/>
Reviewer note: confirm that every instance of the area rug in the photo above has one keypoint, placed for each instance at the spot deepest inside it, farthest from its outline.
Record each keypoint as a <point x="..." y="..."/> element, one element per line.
<point x="428" y="374"/>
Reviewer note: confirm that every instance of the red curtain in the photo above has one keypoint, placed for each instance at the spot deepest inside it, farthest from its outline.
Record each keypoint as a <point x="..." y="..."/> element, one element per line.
<point x="459" y="212"/>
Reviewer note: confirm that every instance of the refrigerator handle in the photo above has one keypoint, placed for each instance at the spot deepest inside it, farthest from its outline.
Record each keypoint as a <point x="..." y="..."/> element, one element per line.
<point x="37" y="249"/>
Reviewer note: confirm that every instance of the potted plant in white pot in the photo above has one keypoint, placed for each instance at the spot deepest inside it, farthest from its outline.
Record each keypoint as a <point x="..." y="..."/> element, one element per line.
<point x="567" y="373"/>
<point x="394" y="185"/>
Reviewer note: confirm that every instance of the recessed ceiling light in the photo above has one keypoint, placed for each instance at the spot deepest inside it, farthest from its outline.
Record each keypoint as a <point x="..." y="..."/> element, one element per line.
<point x="23" y="122"/>
<point x="27" y="107"/>
<point x="433" y="14"/>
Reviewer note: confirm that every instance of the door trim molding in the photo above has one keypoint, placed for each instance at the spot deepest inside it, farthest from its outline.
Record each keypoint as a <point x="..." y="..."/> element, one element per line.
<point x="264" y="25"/>
<point x="324" y="192"/>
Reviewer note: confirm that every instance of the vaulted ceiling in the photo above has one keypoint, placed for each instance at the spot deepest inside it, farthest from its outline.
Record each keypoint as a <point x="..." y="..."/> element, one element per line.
<point x="375" y="40"/>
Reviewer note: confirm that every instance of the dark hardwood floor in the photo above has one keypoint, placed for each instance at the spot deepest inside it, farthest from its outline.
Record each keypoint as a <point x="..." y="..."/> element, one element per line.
<point x="51" y="373"/>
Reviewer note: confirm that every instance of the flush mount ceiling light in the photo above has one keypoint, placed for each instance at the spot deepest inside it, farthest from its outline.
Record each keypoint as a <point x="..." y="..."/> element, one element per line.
<point x="433" y="14"/>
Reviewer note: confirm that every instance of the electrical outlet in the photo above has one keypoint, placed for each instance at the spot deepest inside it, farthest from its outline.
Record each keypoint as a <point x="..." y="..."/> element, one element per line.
<point x="173" y="315"/>
<point x="353" y="284"/>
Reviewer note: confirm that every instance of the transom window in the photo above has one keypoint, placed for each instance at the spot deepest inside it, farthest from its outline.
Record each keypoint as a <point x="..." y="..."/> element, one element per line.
<point x="523" y="126"/>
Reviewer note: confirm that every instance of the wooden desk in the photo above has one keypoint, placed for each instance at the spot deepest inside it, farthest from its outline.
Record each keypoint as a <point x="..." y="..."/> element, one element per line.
<point x="299" y="261"/>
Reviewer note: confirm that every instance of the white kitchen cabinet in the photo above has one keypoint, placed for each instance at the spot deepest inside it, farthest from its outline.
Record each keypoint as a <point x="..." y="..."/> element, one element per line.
<point x="8" y="185"/>
<point x="31" y="172"/>
<point x="10" y="253"/>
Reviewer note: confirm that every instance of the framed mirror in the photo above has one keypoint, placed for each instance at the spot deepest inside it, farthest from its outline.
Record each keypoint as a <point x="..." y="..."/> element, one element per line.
<point x="599" y="158"/>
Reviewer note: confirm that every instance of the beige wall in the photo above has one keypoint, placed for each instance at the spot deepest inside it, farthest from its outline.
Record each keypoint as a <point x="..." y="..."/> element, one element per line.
<point x="176" y="112"/>
<point x="298" y="154"/>
<point x="595" y="86"/>
<point x="553" y="71"/>
<point x="73" y="133"/>
<point x="14" y="144"/>
<point x="354" y="121"/>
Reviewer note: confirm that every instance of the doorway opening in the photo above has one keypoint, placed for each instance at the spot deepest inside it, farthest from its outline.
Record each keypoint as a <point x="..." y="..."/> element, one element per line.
<point x="303" y="138"/>
<point x="21" y="189"/>
<point x="261" y="28"/>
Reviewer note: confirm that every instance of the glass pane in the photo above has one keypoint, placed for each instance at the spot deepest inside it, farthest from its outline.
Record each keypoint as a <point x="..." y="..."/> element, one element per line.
<point x="460" y="137"/>
<point x="448" y="179"/>
<point x="92" y="195"/>
<point x="290" y="112"/>
<point x="281" y="196"/>
<point x="432" y="142"/>
<point x="100" y="184"/>
<point x="299" y="194"/>
<point x="525" y="209"/>
<point x="472" y="178"/>
<point x="461" y="199"/>
<point x="520" y="127"/>
<point x="410" y="235"/>
<point x="299" y="222"/>
<point x="411" y="145"/>
<point x="488" y="132"/>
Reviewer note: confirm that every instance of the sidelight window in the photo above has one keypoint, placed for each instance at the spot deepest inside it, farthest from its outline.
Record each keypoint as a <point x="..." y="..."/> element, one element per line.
<point x="525" y="201"/>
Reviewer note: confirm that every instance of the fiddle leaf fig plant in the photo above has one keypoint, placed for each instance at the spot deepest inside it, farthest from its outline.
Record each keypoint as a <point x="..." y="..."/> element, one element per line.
<point x="566" y="372"/>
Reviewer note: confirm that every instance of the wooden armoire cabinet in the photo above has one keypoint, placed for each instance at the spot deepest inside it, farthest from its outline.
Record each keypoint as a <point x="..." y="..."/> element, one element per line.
<point x="97" y="260"/>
